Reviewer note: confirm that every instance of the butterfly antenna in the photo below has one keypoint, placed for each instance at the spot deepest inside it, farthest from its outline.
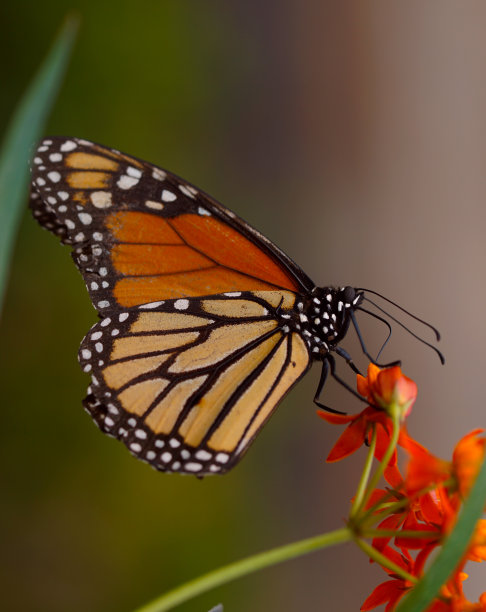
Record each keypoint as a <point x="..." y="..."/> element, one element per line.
<point x="434" y="348"/>
<point x="435" y="330"/>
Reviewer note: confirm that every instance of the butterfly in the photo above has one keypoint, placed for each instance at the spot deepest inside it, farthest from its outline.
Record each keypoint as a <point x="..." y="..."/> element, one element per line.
<point x="204" y="325"/>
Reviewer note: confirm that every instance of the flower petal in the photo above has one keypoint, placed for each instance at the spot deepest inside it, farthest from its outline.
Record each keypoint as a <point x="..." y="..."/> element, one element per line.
<point x="349" y="441"/>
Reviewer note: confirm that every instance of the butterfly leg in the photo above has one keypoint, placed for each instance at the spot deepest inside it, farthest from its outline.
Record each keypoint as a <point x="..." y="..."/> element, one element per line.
<point x="347" y="357"/>
<point x="329" y="365"/>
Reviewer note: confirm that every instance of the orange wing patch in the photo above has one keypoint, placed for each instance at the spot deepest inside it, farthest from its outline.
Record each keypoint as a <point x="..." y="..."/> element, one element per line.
<point x="141" y="228"/>
<point x="207" y="257"/>
<point x="230" y="248"/>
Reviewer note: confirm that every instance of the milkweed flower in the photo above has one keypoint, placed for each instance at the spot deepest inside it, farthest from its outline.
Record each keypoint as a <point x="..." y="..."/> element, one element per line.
<point x="386" y="390"/>
<point x="425" y="469"/>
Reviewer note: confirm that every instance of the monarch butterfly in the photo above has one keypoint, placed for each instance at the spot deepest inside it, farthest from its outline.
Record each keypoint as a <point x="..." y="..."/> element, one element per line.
<point x="205" y="324"/>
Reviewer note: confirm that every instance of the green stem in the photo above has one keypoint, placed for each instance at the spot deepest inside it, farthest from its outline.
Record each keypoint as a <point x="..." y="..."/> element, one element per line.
<point x="364" y="477"/>
<point x="384" y="561"/>
<point x="246" y="566"/>
<point x="375" y="479"/>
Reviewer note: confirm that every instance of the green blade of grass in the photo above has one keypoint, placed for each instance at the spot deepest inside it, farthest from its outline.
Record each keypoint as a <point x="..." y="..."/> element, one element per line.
<point x="455" y="546"/>
<point x="24" y="130"/>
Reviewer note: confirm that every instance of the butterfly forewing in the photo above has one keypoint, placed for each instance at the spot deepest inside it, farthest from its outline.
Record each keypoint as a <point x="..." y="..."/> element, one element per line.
<point x="187" y="384"/>
<point x="141" y="234"/>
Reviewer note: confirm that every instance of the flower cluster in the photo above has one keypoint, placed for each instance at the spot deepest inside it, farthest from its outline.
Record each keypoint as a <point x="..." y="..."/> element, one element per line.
<point x="416" y="512"/>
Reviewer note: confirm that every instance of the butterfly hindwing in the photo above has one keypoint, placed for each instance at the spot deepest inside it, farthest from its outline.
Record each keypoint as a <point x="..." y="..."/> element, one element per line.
<point x="187" y="384"/>
<point x="140" y="234"/>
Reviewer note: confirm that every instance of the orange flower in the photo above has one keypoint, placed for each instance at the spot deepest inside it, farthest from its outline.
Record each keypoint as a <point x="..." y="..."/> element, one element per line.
<point x="467" y="459"/>
<point x="358" y="431"/>
<point x="385" y="389"/>
<point x="391" y="591"/>
<point x="388" y="387"/>
<point x="425" y="469"/>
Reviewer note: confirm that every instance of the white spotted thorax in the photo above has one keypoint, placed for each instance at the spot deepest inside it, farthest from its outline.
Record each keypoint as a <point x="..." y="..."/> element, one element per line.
<point x="322" y="318"/>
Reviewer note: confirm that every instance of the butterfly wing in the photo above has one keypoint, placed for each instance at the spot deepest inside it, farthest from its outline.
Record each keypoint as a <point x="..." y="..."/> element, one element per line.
<point x="141" y="234"/>
<point x="187" y="384"/>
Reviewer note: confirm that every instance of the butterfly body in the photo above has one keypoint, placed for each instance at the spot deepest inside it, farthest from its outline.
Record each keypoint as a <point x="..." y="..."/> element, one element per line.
<point x="205" y="324"/>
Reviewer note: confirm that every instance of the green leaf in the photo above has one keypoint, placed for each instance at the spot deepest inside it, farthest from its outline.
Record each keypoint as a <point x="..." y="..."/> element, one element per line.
<point x="24" y="130"/>
<point x="454" y="547"/>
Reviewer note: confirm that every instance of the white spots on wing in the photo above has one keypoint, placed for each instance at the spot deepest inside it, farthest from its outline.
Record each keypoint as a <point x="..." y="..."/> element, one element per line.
<point x="87" y="368"/>
<point x="134" y="172"/>
<point x="69" y="145"/>
<point x="203" y="455"/>
<point x="232" y="294"/>
<point x="132" y="422"/>
<point x="51" y="200"/>
<point x="159" y="443"/>
<point x="37" y="160"/>
<point x="101" y="199"/>
<point x="222" y="457"/>
<point x="127" y="182"/>
<point x="96" y="335"/>
<point x="79" y="236"/>
<point x="185" y="454"/>
<point x="86" y="353"/>
<point x="115" y="332"/>
<point x="150" y="455"/>
<point x="42" y="149"/>
<point x="103" y="271"/>
<point x="166" y="457"/>
<point x="123" y="317"/>
<point x="55" y="157"/>
<point x="40" y="181"/>
<point x="54" y="176"/>
<point x="159" y="174"/>
<point x="135" y="447"/>
<point x="70" y="224"/>
<point x="103" y="304"/>
<point x="99" y="347"/>
<point x="202" y="211"/>
<point x="105" y="322"/>
<point x="94" y="286"/>
<point x="192" y="466"/>
<point x="141" y="434"/>
<point x="97" y="236"/>
<point x="303" y="318"/>
<point x="154" y="205"/>
<point x="188" y="191"/>
<point x="85" y="218"/>
<point x="168" y="196"/>
<point x="151" y="305"/>
<point x="113" y="409"/>
<point x="174" y="443"/>
<point x="109" y="421"/>
<point x="62" y="208"/>
<point x="214" y="468"/>
<point x="64" y="195"/>
<point x="181" y="304"/>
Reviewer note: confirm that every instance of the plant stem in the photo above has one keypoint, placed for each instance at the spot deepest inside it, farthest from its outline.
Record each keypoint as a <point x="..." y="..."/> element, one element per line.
<point x="246" y="566"/>
<point x="384" y="462"/>
<point x="384" y="561"/>
<point x="364" y="477"/>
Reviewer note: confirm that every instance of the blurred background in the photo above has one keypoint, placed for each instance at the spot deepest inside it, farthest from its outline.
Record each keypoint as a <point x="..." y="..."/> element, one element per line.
<point x="353" y="135"/>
